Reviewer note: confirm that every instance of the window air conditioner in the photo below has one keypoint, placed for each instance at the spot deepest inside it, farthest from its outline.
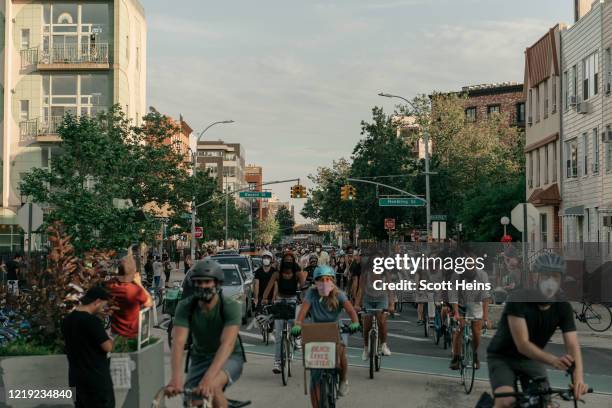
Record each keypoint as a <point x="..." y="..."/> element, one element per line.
<point x="607" y="220"/>
<point x="608" y="88"/>
<point x="573" y="100"/>
<point x="582" y="107"/>
<point x="554" y="107"/>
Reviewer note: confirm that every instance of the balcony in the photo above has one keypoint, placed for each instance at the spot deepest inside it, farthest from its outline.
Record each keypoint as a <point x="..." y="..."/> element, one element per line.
<point x="41" y="130"/>
<point x="70" y="56"/>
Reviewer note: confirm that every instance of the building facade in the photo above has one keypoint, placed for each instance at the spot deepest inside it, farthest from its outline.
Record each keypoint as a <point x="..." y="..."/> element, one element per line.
<point x="225" y="163"/>
<point x="506" y="99"/>
<point x="409" y="131"/>
<point x="274" y="204"/>
<point x="58" y="58"/>
<point x="586" y="124"/>
<point x="542" y="90"/>
<point x="254" y="178"/>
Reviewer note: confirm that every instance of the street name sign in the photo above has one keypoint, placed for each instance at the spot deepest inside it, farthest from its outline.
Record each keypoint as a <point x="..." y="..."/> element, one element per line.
<point x="255" y="194"/>
<point x="438" y="217"/>
<point x="401" y="202"/>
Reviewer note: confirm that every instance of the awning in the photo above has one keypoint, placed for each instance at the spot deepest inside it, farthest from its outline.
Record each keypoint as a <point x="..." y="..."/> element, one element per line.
<point x="550" y="196"/>
<point x="577" y="211"/>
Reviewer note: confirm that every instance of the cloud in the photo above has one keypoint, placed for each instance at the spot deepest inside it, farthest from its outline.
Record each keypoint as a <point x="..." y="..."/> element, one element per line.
<point x="179" y="26"/>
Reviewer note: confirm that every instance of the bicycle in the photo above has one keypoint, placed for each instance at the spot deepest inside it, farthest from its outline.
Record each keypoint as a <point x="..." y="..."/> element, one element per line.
<point x="537" y="393"/>
<point x="284" y="310"/>
<point x="596" y="315"/>
<point x="189" y="397"/>
<point x="264" y="322"/>
<point x="466" y="359"/>
<point x="374" y="349"/>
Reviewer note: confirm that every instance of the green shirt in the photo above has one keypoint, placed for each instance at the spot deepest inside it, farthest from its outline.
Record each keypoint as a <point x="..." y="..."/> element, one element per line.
<point x="208" y="325"/>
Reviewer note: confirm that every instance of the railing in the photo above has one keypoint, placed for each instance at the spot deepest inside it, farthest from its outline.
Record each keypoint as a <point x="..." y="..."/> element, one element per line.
<point x="67" y="54"/>
<point x="37" y="127"/>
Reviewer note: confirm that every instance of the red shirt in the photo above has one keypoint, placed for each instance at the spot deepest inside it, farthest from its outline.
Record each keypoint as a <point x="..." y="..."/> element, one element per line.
<point x="129" y="297"/>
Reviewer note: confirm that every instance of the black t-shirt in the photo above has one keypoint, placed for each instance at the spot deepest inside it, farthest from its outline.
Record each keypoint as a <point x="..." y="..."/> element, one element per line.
<point x="287" y="287"/>
<point x="12" y="268"/>
<point x="264" y="278"/>
<point x="88" y="364"/>
<point x="355" y="269"/>
<point x="541" y="325"/>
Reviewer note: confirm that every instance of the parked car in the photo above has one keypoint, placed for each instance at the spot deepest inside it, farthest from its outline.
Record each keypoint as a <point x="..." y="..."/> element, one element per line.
<point x="245" y="265"/>
<point x="256" y="261"/>
<point x="226" y="252"/>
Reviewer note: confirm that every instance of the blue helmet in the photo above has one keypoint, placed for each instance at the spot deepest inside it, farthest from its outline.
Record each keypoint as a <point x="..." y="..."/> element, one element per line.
<point x="324" y="270"/>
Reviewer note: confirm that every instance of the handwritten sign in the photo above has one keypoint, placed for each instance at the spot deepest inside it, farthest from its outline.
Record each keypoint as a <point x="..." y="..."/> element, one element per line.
<point x="321" y="355"/>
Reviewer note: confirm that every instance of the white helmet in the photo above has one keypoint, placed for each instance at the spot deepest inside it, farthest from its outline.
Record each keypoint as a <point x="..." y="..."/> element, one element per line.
<point x="268" y="254"/>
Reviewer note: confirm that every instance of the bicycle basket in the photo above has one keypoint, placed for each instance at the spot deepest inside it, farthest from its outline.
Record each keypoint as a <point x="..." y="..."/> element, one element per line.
<point x="283" y="311"/>
<point x="171" y="300"/>
<point x="320" y="355"/>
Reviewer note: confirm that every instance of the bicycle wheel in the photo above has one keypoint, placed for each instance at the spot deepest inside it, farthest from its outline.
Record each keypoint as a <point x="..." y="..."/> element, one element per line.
<point x="426" y="326"/>
<point x="373" y="342"/>
<point x="284" y="358"/>
<point x="437" y="329"/>
<point x="598" y="317"/>
<point x="378" y="360"/>
<point x="468" y="370"/>
<point x="323" y="392"/>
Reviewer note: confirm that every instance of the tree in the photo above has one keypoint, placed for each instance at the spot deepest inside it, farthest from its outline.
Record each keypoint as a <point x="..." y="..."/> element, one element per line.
<point x="285" y="220"/>
<point x="266" y="230"/>
<point x="103" y="159"/>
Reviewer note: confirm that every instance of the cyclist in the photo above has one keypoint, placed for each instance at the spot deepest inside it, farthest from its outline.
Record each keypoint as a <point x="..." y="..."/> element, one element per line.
<point x="325" y="302"/>
<point x="214" y="322"/>
<point x="262" y="277"/>
<point x="313" y="262"/>
<point x="528" y="322"/>
<point x="473" y="304"/>
<point x="286" y="282"/>
<point x="369" y="298"/>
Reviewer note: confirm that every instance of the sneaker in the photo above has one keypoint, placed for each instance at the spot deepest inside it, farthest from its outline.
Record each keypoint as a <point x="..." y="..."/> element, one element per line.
<point x="276" y="368"/>
<point x="298" y="343"/>
<point x="385" y="349"/>
<point x="476" y="361"/>
<point x="344" y="389"/>
<point x="420" y="322"/>
<point x="454" y="365"/>
<point x="365" y="355"/>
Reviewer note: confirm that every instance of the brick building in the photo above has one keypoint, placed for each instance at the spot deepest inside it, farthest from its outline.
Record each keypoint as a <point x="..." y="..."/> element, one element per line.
<point x="254" y="177"/>
<point x="506" y="98"/>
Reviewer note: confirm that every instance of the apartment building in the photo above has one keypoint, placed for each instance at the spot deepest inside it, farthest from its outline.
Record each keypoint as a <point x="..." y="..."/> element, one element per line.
<point x="503" y="98"/>
<point x="409" y="131"/>
<point x="542" y="90"/>
<point x="586" y="124"/>
<point x="254" y="178"/>
<point x="62" y="57"/>
<point x="275" y="204"/>
<point x="226" y="163"/>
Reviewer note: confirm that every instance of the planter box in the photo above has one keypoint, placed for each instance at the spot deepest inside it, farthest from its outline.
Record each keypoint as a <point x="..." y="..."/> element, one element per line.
<point x="146" y="377"/>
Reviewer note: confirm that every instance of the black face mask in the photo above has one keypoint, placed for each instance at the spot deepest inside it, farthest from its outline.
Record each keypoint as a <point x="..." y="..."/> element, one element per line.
<point x="204" y="294"/>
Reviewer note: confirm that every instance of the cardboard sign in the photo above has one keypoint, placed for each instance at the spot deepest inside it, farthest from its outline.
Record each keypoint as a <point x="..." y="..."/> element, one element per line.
<point x="144" y="326"/>
<point x="321" y="355"/>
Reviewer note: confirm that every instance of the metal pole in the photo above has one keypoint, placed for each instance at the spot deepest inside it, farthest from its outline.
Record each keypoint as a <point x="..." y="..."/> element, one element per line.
<point x="194" y="210"/>
<point x="29" y="231"/>
<point x="524" y="277"/>
<point x="226" y="216"/>
<point x="251" y="219"/>
<point x="427" y="192"/>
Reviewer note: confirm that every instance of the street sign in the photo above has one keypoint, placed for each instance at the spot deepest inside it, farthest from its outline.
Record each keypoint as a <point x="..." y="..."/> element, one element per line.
<point x="438" y="217"/>
<point x="199" y="232"/>
<point x="517" y="216"/>
<point x="27" y="222"/>
<point x="389" y="223"/>
<point x="255" y="194"/>
<point x="401" y="202"/>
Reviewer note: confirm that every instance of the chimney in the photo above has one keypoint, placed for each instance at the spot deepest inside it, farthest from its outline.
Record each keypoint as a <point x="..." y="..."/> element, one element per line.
<point x="581" y="7"/>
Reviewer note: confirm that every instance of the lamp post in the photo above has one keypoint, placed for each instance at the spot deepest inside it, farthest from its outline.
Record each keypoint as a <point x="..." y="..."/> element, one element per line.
<point x="194" y="169"/>
<point x="426" y="141"/>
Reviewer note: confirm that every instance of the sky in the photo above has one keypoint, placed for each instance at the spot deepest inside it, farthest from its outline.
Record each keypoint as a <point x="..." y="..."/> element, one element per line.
<point x="298" y="77"/>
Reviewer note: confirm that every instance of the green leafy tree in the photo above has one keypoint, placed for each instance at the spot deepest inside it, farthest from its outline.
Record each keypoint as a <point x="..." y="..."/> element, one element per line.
<point x="267" y="229"/>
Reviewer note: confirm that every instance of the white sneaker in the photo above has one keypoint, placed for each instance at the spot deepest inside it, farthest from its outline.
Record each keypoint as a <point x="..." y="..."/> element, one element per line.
<point x="298" y="343"/>
<point x="344" y="389"/>
<point x="385" y="349"/>
<point x="276" y="368"/>
<point x="365" y="355"/>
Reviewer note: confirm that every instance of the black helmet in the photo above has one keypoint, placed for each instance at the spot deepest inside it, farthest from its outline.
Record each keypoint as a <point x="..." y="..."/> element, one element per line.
<point x="549" y="263"/>
<point x="207" y="269"/>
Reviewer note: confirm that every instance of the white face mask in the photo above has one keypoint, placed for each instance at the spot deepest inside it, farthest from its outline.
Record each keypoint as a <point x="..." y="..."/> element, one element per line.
<point x="549" y="287"/>
<point x="266" y="262"/>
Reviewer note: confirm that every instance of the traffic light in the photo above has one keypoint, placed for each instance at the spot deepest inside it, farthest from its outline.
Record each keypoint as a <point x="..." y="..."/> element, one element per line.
<point x="294" y="191"/>
<point x="302" y="191"/>
<point x="298" y="191"/>
<point x="352" y="193"/>
<point x="344" y="192"/>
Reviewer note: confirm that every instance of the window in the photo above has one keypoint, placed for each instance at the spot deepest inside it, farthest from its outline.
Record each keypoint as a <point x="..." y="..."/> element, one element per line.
<point x="520" y="112"/>
<point x="545" y="89"/>
<point x="545" y="167"/>
<point x="470" y="114"/>
<point x="537" y="104"/>
<point x="76" y="94"/>
<point x="25" y="38"/>
<point x="252" y="186"/>
<point x="585" y="154"/>
<point x="595" y="151"/>
<point x="554" y="93"/>
<point x="544" y="228"/>
<point x="537" y="161"/>
<point x="530" y="106"/>
<point x="608" y="68"/>
<point x="572" y="159"/>
<point x="24" y="110"/>
<point x="530" y="173"/>
<point x="491" y="109"/>
<point x="590" y="76"/>
<point x="608" y="152"/>
<point x="565" y="85"/>
<point x="574" y="82"/>
<point x="554" y="164"/>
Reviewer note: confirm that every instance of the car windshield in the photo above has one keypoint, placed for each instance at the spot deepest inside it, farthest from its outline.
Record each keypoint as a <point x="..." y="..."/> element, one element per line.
<point x="232" y="278"/>
<point x="242" y="263"/>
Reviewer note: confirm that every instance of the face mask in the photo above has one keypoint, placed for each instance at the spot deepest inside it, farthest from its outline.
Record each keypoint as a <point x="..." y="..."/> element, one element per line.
<point x="204" y="294"/>
<point x="549" y="287"/>
<point x="266" y="261"/>
<point x="318" y="250"/>
<point x="325" y="288"/>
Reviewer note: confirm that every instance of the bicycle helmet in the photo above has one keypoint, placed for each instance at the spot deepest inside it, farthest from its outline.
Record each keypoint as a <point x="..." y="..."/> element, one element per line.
<point x="323" y="270"/>
<point x="268" y="254"/>
<point x="549" y="262"/>
<point x="207" y="269"/>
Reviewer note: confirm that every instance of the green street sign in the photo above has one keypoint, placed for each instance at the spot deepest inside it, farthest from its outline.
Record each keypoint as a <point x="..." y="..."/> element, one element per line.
<point x="401" y="202"/>
<point x="438" y="217"/>
<point x="255" y="194"/>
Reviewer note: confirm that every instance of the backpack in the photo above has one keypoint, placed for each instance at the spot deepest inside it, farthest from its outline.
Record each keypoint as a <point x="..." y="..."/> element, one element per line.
<point x="192" y="309"/>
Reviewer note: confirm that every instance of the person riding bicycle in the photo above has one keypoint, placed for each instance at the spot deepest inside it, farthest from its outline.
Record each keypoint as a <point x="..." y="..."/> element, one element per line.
<point x="213" y="321"/>
<point x="369" y="298"/>
<point x="285" y="283"/>
<point x="325" y="302"/>
<point x="472" y="304"/>
<point x="262" y="277"/>
<point x="313" y="262"/>
<point x="528" y="321"/>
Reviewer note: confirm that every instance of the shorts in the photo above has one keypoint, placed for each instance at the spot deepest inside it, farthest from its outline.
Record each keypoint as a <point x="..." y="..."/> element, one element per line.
<point x="199" y="365"/>
<point x="375" y="303"/>
<point x="471" y="311"/>
<point x="504" y="371"/>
